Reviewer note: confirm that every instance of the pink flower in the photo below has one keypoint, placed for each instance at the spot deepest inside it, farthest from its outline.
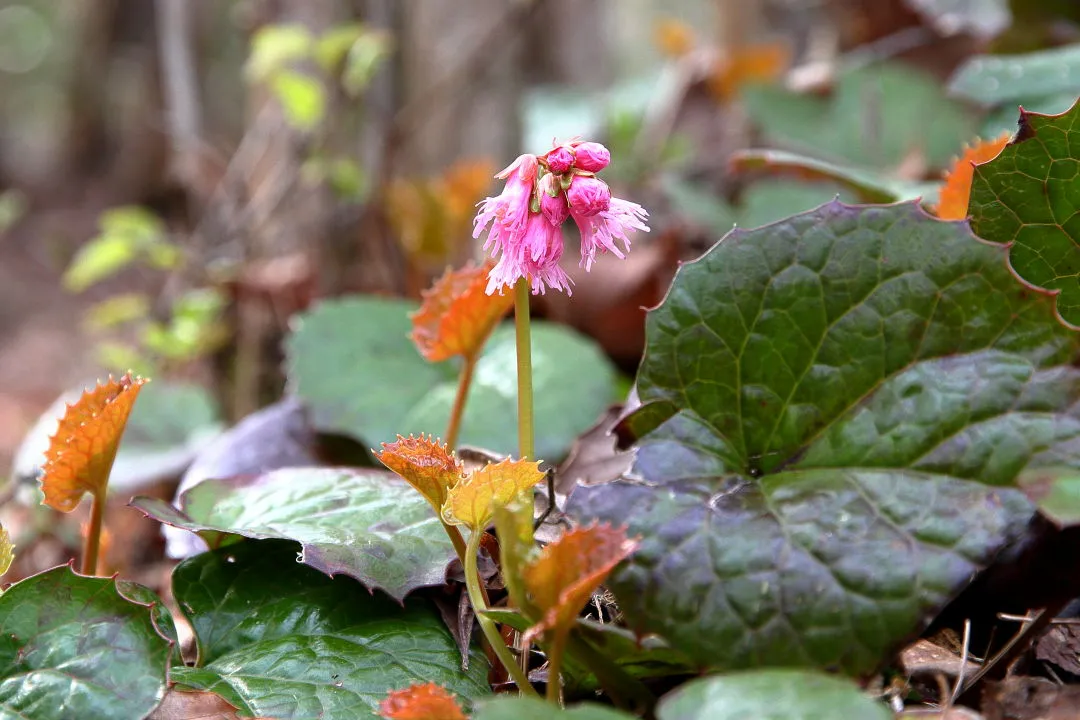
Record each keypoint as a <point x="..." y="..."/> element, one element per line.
<point x="588" y="195"/>
<point x="560" y="160"/>
<point x="591" y="157"/>
<point x="599" y="231"/>
<point x="535" y="257"/>
<point x="554" y="206"/>
<point x="508" y="213"/>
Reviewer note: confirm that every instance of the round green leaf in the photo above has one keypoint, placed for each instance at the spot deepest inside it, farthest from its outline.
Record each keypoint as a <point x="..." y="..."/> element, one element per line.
<point x="353" y="363"/>
<point x="367" y="524"/>
<point x="834" y="406"/>
<point x="1028" y="197"/>
<point x="74" y="647"/>
<point x="770" y="695"/>
<point x="278" y="639"/>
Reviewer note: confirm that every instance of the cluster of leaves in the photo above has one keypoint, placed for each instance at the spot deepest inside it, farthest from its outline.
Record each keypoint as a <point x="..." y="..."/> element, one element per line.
<point x="843" y="417"/>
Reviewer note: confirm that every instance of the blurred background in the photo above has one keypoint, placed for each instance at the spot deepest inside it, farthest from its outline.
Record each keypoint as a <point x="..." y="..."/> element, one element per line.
<point x="180" y="177"/>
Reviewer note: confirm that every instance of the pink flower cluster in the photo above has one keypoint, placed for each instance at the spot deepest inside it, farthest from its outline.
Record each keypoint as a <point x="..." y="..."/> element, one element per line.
<point x="540" y="194"/>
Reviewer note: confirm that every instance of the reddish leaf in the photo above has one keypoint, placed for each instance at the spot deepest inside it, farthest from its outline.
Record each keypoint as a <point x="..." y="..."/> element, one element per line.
<point x="457" y="314"/>
<point x="472" y="501"/>
<point x="421" y="702"/>
<point x="82" y="451"/>
<point x="953" y="202"/>
<point x="568" y="571"/>
<point x="426" y="464"/>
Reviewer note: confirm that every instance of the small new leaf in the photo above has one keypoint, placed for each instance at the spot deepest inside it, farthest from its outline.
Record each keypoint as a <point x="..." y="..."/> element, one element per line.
<point x="7" y="550"/>
<point x="568" y="571"/>
<point x="457" y="315"/>
<point x="426" y="464"/>
<point x="421" y="702"/>
<point x="472" y="501"/>
<point x="81" y="453"/>
<point x="956" y="191"/>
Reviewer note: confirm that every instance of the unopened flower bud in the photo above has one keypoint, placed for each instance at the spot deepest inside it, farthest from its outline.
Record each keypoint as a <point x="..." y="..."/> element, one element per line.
<point x="591" y="157"/>
<point x="588" y="196"/>
<point x="560" y="160"/>
<point x="554" y="206"/>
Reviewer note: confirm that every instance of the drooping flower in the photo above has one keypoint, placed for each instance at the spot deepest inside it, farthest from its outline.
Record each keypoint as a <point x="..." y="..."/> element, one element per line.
<point x="526" y="219"/>
<point x="591" y="157"/>
<point x="508" y="212"/>
<point x="535" y="257"/>
<point x="600" y="231"/>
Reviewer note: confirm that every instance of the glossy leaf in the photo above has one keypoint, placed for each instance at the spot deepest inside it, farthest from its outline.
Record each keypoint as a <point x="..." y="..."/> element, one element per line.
<point x="81" y="452"/>
<point x="7" y="550"/>
<point x="457" y="314"/>
<point x="524" y="708"/>
<point x="354" y="381"/>
<point x="770" y="695"/>
<point x="281" y="640"/>
<point x="953" y="200"/>
<point x="867" y="186"/>
<point x="74" y="647"/>
<point x="472" y="502"/>
<point x="567" y="572"/>
<point x="1008" y="79"/>
<point x="833" y="408"/>
<point x="982" y="18"/>
<point x="426" y="701"/>
<point x="367" y="524"/>
<point x="1027" y="197"/>
<point x="426" y="464"/>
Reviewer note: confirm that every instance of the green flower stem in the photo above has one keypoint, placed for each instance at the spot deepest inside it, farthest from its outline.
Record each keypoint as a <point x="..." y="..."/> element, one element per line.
<point x="464" y="381"/>
<point x="93" y="534"/>
<point x="526" y="447"/>
<point x="472" y="584"/>
<point x="462" y="551"/>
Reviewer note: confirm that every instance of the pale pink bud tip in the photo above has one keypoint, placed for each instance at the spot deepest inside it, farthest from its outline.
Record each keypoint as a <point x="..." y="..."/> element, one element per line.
<point x="591" y="157"/>
<point x="560" y="160"/>
<point x="588" y="196"/>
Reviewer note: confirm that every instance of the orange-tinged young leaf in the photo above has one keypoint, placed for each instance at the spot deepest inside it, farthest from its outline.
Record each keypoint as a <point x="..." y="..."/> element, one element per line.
<point x="7" y="550"/>
<point x="82" y="451"/>
<point x="426" y="464"/>
<point x="472" y="501"/>
<point x="953" y="202"/>
<point x="561" y="580"/>
<point x="421" y="702"/>
<point x="745" y="65"/>
<point x="457" y="314"/>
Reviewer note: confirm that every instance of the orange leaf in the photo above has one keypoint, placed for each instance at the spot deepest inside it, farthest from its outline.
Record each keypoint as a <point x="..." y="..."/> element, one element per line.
<point x="562" y="579"/>
<point x="424" y="463"/>
<point x="472" y="501"/>
<point x="82" y="451"/>
<point x="457" y="314"/>
<point x="421" y="702"/>
<point x="745" y="65"/>
<point x="953" y="201"/>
